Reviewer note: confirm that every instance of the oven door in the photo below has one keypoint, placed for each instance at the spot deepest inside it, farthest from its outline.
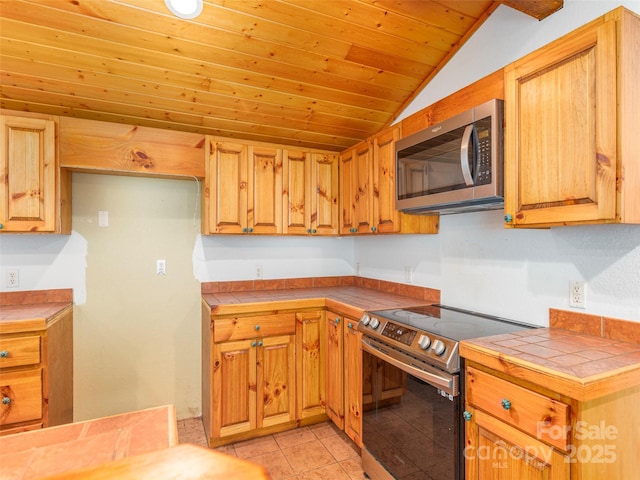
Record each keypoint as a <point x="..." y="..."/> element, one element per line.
<point x="412" y="425"/>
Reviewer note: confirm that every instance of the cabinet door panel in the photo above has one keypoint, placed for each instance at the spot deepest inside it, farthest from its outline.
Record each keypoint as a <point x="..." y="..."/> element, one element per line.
<point x="28" y="172"/>
<point x="310" y="353"/>
<point x="225" y="208"/>
<point x="560" y="144"/>
<point x="276" y="374"/>
<point x="265" y="190"/>
<point x="353" y="382"/>
<point x="334" y="369"/>
<point x="348" y="178"/>
<point x="363" y="199"/>
<point x="502" y="452"/>
<point x="324" y="194"/>
<point x="297" y="179"/>
<point x="385" y="216"/>
<point x="23" y="391"/>
<point x="234" y="387"/>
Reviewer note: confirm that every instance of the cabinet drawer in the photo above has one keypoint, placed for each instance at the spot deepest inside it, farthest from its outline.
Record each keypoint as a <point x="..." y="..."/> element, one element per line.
<point x="17" y="351"/>
<point x="537" y="415"/>
<point x="20" y="396"/>
<point x="242" y="328"/>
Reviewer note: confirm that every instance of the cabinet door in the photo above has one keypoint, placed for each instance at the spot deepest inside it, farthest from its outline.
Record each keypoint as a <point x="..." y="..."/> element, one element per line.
<point x="234" y="386"/>
<point x="310" y="363"/>
<point x="28" y="199"/>
<point x="265" y="190"/>
<point x="352" y="381"/>
<point x="494" y="450"/>
<point x="363" y="200"/>
<point x="334" y="370"/>
<point x="324" y="194"/>
<point x="225" y="195"/>
<point x="276" y="380"/>
<point x="385" y="215"/>
<point x="348" y="187"/>
<point x="296" y="193"/>
<point x="560" y="135"/>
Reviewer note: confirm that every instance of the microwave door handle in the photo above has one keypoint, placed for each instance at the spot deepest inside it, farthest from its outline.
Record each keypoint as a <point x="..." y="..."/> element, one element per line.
<point x="464" y="156"/>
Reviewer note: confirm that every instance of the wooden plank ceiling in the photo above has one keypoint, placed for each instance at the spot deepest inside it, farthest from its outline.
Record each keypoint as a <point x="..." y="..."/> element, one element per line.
<point x="311" y="73"/>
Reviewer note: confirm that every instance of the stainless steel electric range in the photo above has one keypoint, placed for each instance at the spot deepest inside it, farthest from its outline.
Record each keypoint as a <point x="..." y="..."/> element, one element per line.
<point x="413" y="389"/>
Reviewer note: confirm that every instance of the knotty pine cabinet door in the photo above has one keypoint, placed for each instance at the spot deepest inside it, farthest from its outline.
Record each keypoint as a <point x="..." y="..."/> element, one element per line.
<point x="310" y="364"/>
<point x="356" y="189"/>
<point x="243" y="189"/>
<point x="352" y="381"/>
<point x="252" y="384"/>
<point x="310" y="193"/>
<point x="28" y="173"/>
<point x="495" y="450"/>
<point x="571" y="113"/>
<point x="335" y="368"/>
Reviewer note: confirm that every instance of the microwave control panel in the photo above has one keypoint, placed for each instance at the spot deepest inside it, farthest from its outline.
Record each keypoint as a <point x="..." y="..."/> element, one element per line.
<point x="483" y="161"/>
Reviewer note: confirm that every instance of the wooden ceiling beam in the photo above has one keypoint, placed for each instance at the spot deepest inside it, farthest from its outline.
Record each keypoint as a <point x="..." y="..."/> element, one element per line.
<point x="539" y="9"/>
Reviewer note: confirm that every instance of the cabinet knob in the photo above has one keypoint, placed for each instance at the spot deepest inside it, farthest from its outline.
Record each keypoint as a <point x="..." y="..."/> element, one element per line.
<point x="467" y="416"/>
<point x="244" y="230"/>
<point x="6" y="400"/>
<point x="1" y="226"/>
<point x="337" y="320"/>
<point x="253" y="344"/>
<point x="313" y="231"/>
<point x="256" y="328"/>
<point x="349" y="325"/>
<point x="506" y="404"/>
<point x="508" y="218"/>
<point x="308" y="230"/>
<point x="259" y="343"/>
<point x="4" y="354"/>
<point x="251" y="230"/>
<point x="373" y="229"/>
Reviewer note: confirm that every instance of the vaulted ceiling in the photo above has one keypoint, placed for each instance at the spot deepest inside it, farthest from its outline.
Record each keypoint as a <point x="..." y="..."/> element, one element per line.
<point x="311" y="73"/>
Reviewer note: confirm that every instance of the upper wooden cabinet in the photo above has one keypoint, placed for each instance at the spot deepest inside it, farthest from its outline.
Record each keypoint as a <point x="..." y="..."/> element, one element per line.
<point x="368" y="189"/>
<point x="310" y="193"/>
<point x="30" y="199"/>
<point x="572" y="110"/>
<point x="243" y="188"/>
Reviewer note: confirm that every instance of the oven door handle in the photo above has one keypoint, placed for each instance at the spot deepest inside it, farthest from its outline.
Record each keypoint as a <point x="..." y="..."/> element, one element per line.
<point x="445" y="383"/>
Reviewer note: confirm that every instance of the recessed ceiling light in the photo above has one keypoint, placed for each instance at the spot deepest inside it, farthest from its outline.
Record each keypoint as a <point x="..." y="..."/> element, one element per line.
<point x="185" y="8"/>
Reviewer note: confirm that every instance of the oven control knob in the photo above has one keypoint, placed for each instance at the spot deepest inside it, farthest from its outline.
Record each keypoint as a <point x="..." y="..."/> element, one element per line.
<point x="439" y="347"/>
<point x="424" y="342"/>
<point x="375" y="323"/>
<point x="365" y="320"/>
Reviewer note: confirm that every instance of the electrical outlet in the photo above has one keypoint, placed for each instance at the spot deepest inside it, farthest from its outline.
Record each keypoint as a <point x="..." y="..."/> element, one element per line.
<point x="13" y="278"/>
<point x="161" y="267"/>
<point x="408" y="274"/>
<point x="577" y="294"/>
<point x="258" y="272"/>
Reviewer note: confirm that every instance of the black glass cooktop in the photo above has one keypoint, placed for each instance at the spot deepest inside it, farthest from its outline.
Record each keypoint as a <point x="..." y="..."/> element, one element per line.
<point x="453" y="323"/>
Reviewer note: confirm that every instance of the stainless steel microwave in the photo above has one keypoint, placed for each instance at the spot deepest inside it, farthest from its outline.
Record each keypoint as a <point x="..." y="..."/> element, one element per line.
<point x="454" y="166"/>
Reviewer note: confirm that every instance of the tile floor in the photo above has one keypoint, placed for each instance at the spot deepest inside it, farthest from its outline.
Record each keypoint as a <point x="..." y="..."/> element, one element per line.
<point x="316" y="452"/>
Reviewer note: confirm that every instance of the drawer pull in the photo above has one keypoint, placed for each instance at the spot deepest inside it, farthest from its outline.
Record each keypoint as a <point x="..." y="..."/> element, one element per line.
<point x="506" y="404"/>
<point x="6" y="400"/>
<point x="467" y="416"/>
<point x="256" y="328"/>
<point x="4" y="354"/>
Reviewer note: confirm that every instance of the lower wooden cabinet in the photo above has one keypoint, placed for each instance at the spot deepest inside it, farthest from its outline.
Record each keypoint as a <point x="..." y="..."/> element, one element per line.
<point x="352" y="381"/>
<point x="335" y="362"/>
<point x="517" y="429"/>
<point x="310" y="364"/>
<point x="36" y="376"/>
<point x="253" y="384"/>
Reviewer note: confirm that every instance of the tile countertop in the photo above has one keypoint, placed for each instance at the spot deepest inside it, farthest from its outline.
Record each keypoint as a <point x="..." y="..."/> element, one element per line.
<point x="55" y="450"/>
<point x="32" y="310"/>
<point x="345" y="294"/>
<point x="578" y="365"/>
